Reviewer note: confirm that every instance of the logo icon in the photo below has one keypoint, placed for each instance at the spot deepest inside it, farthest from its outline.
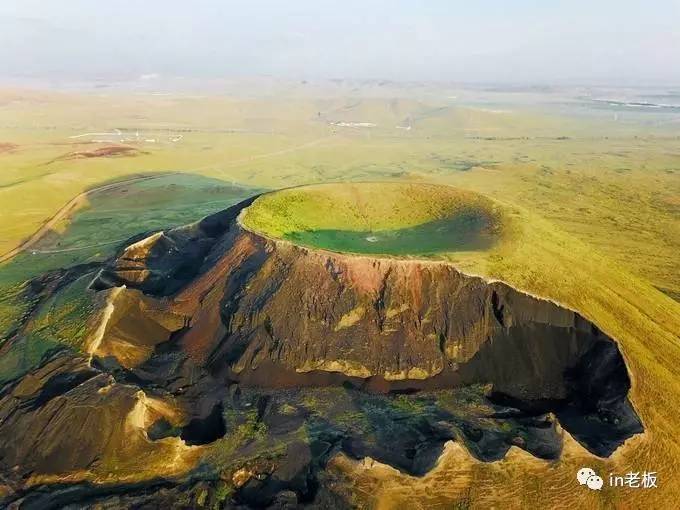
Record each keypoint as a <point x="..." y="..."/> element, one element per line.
<point x="589" y="478"/>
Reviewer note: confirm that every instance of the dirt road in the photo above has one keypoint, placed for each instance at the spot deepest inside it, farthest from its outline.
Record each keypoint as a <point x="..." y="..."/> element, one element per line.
<point x="79" y="200"/>
<point x="71" y="206"/>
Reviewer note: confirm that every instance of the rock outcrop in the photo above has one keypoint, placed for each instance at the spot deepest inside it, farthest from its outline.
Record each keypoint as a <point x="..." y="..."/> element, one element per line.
<point x="268" y="313"/>
<point x="211" y="330"/>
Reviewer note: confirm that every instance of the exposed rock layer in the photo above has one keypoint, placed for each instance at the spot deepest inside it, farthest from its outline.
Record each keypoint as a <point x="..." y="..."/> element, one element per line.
<point x="268" y="313"/>
<point x="195" y="316"/>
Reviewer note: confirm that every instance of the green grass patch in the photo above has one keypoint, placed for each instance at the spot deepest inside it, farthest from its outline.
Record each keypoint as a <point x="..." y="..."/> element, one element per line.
<point x="25" y="355"/>
<point x="385" y="218"/>
<point x="65" y="317"/>
<point x="464" y="232"/>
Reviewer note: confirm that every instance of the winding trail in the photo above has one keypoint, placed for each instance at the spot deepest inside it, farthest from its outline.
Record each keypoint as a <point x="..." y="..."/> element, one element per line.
<point x="79" y="200"/>
<point x="72" y="205"/>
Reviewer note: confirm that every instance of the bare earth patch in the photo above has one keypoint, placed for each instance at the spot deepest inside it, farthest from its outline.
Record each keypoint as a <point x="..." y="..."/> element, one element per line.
<point x="8" y="147"/>
<point x="110" y="151"/>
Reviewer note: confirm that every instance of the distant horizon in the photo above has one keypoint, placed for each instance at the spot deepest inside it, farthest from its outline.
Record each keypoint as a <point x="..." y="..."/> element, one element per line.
<point x="610" y="43"/>
<point x="162" y="81"/>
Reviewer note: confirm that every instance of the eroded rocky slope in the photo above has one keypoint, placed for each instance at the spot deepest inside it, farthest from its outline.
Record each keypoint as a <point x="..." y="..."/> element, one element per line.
<point x="206" y="329"/>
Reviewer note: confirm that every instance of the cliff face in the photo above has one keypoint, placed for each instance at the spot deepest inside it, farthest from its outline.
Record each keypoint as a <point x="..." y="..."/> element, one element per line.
<point x="404" y="322"/>
<point x="267" y="313"/>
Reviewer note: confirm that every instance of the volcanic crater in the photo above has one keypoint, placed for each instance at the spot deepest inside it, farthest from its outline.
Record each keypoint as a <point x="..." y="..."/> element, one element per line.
<point x="328" y="319"/>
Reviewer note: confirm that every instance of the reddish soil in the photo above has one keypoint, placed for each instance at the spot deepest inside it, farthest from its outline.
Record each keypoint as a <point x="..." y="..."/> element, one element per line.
<point x="7" y="147"/>
<point x="110" y="151"/>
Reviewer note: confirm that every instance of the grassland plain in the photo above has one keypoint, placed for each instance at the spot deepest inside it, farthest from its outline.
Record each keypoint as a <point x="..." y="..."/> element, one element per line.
<point x="595" y="204"/>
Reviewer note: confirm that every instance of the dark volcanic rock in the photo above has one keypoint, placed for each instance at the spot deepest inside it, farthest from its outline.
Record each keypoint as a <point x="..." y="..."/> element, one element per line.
<point x="45" y="412"/>
<point x="271" y="314"/>
<point x="205" y="430"/>
<point x="211" y="330"/>
<point x="165" y="261"/>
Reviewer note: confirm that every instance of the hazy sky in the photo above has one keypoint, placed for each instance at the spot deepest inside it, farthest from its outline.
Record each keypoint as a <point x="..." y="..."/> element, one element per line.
<point x="540" y="41"/>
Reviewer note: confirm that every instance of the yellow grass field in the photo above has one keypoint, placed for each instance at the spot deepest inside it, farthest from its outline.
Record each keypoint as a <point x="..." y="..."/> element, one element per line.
<point x="593" y="198"/>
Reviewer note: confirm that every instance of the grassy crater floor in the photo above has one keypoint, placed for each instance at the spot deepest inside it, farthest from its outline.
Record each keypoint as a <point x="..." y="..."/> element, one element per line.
<point x="395" y="219"/>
